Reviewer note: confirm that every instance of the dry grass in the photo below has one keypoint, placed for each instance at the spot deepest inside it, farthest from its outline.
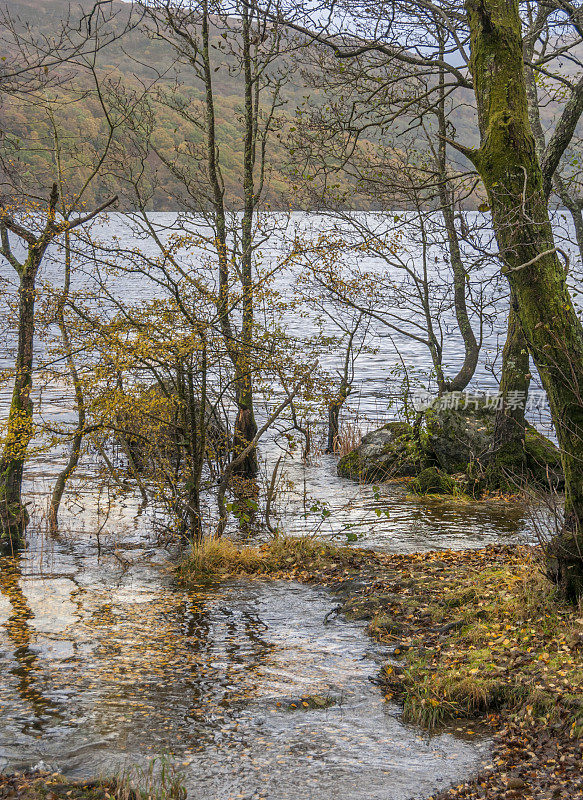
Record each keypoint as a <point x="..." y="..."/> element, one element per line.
<point x="218" y="558"/>
<point x="348" y="439"/>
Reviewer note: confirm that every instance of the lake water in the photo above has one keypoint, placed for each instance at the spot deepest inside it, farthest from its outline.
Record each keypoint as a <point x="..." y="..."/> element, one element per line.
<point x="107" y="661"/>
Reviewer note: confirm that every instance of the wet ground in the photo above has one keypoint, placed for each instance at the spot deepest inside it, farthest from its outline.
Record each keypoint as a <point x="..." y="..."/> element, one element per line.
<point x="106" y="661"/>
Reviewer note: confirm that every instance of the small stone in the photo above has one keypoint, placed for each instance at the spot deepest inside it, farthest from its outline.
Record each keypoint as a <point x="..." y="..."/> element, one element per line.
<point x="516" y="783"/>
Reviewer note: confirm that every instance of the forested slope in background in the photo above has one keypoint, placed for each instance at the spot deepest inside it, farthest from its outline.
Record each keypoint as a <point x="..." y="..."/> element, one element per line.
<point x="142" y="64"/>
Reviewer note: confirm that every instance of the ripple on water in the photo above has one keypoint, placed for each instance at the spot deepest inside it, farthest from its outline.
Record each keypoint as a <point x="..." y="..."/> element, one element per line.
<point x="386" y="518"/>
<point x="207" y="676"/>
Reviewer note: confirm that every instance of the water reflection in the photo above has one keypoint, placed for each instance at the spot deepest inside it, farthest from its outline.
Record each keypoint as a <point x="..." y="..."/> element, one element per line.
<point x="26" y="669"/>
<point x="140" y="667"/>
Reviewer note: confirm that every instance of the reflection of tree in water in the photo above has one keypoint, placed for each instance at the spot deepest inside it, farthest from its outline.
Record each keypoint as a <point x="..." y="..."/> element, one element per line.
<point x="19" y="632"/>
<point x="186" y="663"/>
<point x="235" y="639"/>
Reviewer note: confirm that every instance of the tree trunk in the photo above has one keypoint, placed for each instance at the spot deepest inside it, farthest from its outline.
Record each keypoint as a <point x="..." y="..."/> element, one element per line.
<point x="238" y="345"/>
<point x="343" y="391"/>
<point x="507" y="453"/>
<point x="197" y="425"/>
<point x="574" y="209"/>
<point x="333" y="426"/>
<point x="65" y="474"/>
<point x="510" y="168"/>
<point x="471" y="347"/>
<point x="13" y="514"/>
<point x="334" y="410"/>
<point x="506" y="462"/>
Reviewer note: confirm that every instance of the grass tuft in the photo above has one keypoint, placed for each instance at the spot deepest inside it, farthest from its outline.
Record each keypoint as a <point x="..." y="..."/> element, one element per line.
<point x="219" y="558"/>
<point x="159" y="780"/>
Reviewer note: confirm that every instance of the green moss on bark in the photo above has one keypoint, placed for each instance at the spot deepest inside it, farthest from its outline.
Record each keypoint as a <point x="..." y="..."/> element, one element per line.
<point x="509" y="166"/>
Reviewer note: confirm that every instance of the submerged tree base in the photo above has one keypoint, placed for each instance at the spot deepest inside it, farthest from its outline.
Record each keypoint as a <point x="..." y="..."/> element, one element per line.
<point x="13" y="521"/>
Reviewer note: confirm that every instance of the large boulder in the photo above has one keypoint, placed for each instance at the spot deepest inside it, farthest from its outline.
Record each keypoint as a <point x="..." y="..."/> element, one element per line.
<point x="459" y="432"/>
<point x="389" y="452"/>
<point x="455" y="439"/>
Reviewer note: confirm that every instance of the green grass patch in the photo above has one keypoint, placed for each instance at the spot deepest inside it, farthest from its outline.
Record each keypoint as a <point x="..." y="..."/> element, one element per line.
<point x="485" y="637"/>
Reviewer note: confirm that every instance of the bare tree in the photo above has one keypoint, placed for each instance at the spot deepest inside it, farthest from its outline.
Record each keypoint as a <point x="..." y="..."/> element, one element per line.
<point x="484" y="53"/>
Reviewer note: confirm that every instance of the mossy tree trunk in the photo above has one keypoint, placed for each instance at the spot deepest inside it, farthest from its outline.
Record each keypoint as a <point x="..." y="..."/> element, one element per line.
<point x="508" y="452"/>
<point x="507" y="458"/>
<point x="510" y="168"/>
<point x="13" y="514"/>
<point x="19" y="430"/>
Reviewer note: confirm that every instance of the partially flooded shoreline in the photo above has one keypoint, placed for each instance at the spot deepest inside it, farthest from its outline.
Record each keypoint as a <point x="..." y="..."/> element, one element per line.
<point x="476" y="638"/>
<point x="264" y="647"/>
<point x="109" y="662"/>
<point x="107" y="641"/>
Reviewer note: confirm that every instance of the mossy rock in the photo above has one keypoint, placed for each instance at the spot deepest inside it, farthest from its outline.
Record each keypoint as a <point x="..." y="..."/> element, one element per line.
<point x="453" y="453"/>
<point x="389" y="452"/>
<point x="456" y="437"/>
<point x="349" y="465"/>
<point x="432" y="481"/>
<point x="309" y="702"/>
